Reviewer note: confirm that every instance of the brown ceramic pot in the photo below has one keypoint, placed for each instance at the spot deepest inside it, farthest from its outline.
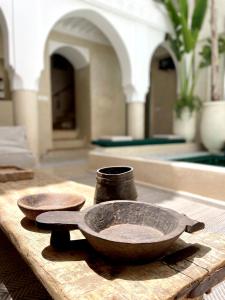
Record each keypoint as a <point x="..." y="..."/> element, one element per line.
<point x="115" y="183"/>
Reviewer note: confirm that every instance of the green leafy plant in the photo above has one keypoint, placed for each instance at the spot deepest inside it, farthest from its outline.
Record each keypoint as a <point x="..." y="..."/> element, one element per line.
<point x="183" y="41"/>
<point x="206" y="52"/>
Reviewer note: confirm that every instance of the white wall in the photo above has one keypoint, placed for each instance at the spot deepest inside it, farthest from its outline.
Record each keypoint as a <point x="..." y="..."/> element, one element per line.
<point x="6" y="113"/>
<point x="135" y="28"/>
<point x="220" y="19"/>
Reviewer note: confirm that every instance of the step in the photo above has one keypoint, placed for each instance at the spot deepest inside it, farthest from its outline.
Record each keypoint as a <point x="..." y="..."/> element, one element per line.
<point x="64" y="134"/>
<point x="61" y="144"/>
<point x="60" y="155"/>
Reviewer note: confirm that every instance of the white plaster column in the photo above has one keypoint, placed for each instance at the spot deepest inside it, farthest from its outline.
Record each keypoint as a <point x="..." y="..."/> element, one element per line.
<point x="136" y="119"/>
<point x="135" y="111"/>
<point x="25" y="108"/>
<point x="137" y="85"/>
<point x="25" y="67"/>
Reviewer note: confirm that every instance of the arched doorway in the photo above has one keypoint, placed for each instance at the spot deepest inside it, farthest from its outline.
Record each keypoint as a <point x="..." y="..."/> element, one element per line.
<point x="162" y="94"/>
<point x="68" y="15"/>
<point x="98" y="92"/>
<point x="6" y="105"/>
<point x="62" y="93"/>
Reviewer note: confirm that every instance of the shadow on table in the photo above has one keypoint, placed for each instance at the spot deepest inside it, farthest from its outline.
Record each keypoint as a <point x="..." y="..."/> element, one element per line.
<point x="176" y="261"/>
<point x="30" y="225"/>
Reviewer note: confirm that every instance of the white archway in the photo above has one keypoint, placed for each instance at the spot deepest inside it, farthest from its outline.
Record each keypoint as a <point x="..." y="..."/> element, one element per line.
<point x="5" y="34"/>
<point x="167" y="47"/>
<point x="131" y="39"/>
<point x="6" y="70"/>
<point x="78" y="52"/>
<point x="109" y="30"/>
<point x="8" y="47"/>
<point x="79" y="57"/>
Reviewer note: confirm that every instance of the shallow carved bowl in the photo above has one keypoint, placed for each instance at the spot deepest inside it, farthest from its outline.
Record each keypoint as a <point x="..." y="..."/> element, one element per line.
<point x="131" y="230"/>
<point x="33" y="205"/>
<point x="121" y="229"/>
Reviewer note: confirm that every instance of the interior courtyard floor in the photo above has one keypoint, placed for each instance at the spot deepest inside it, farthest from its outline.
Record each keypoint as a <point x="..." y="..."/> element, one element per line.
<point x="73" y="165"/>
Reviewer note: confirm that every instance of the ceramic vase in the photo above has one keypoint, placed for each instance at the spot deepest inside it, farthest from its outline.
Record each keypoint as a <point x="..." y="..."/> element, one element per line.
<point x="115" y="183"/>
<point x="212" y="128"/>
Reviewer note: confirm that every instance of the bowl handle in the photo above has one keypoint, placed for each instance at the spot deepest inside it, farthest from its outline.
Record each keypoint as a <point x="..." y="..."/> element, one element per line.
<point x="59" y="223"/>
<point x="192" y="225"/>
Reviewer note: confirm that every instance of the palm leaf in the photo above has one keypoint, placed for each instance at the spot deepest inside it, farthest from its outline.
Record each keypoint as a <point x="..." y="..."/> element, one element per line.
<point x="174" y="17"/>
<point x="198" y="14"/>
<point x="183" y="5"/>
<point x="176" y="46"/>
<point x="187" y="35"/>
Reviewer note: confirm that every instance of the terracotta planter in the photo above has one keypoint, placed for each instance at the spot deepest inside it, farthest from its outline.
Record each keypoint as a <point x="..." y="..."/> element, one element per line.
<point x="212" y="127"/>
<point x="185" y="126"/>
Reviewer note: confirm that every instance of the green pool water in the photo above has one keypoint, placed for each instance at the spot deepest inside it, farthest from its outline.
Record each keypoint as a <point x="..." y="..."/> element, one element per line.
<point x="211" y="159"/>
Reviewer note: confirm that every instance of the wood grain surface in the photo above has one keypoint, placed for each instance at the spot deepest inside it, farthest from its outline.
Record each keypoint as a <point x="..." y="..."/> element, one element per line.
<point x="80" y="273"/>
<point x="13" y="173"/>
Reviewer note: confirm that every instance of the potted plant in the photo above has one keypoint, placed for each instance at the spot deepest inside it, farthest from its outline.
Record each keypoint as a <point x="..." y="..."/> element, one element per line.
<point x="212" y="127"/>
<point x="183" y="42"/>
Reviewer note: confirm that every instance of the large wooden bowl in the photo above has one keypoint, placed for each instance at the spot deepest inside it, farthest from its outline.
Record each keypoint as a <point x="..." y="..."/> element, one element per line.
<point x="124" y="230"/>
<point x="34" y="205"/>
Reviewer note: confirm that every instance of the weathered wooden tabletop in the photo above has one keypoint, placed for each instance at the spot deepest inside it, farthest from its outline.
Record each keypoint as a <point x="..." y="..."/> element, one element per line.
<point x="81" y="274"/>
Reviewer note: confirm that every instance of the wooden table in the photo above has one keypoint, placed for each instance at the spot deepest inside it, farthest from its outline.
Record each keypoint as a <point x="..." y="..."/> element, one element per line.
<point x="82" y="274"/>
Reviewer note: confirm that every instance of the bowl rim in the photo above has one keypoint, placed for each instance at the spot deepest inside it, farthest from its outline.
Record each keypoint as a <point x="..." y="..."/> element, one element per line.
<point x="127" y="171"/>
<point x="29" y="207"/>
<point x="174" y="234"/>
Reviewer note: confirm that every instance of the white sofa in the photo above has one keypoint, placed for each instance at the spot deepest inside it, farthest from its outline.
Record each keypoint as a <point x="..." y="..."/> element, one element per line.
<point x="14" y="148"/>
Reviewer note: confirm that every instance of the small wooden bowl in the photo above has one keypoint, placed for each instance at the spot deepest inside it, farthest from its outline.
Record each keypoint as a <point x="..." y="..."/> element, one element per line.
<point x="34" y="205"/>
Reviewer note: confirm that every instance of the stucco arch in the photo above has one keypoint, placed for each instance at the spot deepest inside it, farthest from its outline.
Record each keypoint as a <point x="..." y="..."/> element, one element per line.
<point x="78" y="56"/>
<point x="8" y="49"/>
<point x="106" y="26"/>
<point x="5" y="34"/>
<point x="166" y="46"/>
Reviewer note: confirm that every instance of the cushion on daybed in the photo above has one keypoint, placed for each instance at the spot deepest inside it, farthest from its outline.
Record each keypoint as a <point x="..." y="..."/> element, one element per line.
<point x="14" y="148"/>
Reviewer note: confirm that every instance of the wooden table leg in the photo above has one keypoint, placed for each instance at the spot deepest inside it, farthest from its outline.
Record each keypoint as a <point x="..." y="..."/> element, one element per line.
<point x="60" y="239"/>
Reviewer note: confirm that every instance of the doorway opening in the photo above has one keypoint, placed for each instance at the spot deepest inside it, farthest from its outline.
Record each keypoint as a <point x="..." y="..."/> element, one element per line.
<point x="63" y="93"/>
<point x="162" y="94"/>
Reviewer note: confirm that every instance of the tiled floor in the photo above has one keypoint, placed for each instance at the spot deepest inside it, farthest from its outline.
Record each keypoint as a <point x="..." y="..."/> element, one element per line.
<point x="75" y="167"/>
<point x="17" y="281"/>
